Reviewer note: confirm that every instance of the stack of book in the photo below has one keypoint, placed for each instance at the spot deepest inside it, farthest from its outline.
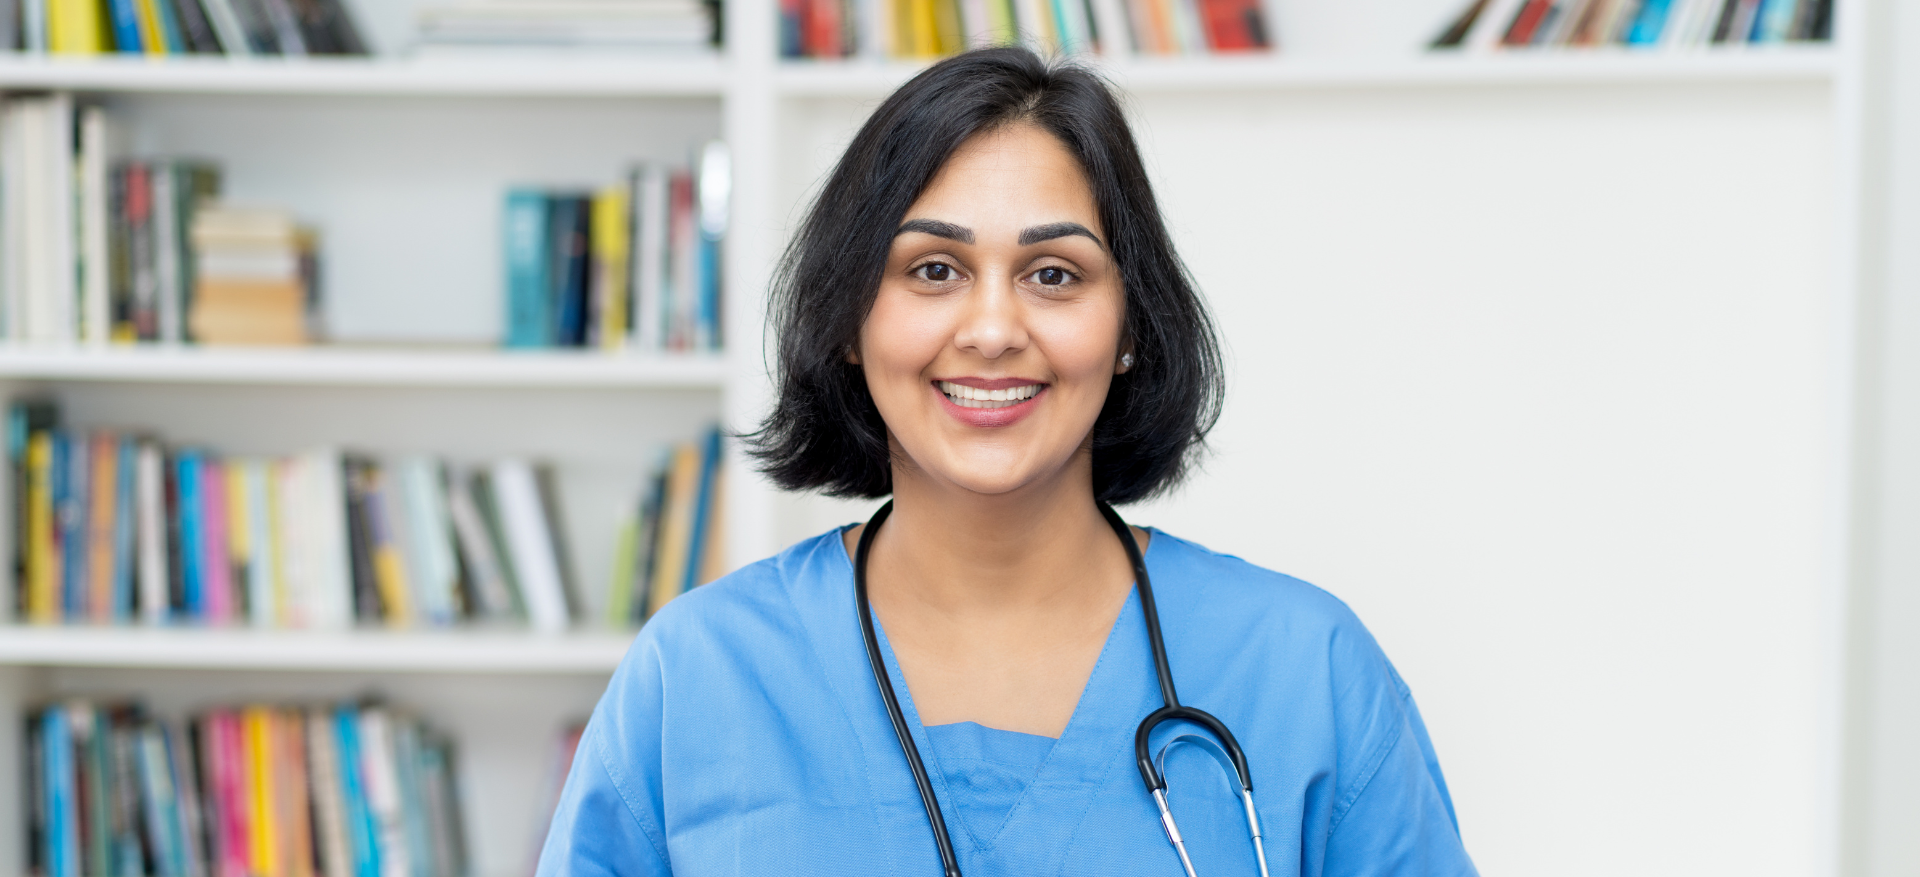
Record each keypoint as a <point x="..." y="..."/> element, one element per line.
<point x="117" y="528"/>
<point x="97" y="251"/>
<point x="254" y="791"/>
<point x="632" y="265"/>
<point x="254" y="271"/>
<point x="179" y="27"/>
<point x="1487" y="25"/>
<point x="570" y="26"/>
<point x="930" y="28"/>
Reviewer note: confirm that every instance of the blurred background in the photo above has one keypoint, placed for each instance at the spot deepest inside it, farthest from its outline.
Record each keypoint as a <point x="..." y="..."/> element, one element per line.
<point x="367" y="363"/>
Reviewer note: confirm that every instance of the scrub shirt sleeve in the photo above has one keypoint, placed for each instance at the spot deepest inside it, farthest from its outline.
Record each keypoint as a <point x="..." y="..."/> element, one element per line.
<point x="1400" y="821"/>
<point x="609" y="818"/>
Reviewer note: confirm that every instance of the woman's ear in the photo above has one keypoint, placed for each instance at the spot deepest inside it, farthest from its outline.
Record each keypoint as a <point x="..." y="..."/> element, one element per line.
<point x="1124" y="363"/>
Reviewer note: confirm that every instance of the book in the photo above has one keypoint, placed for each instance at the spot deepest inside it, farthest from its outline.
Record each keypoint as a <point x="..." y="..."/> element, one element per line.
<point x="75" y="27"/>
<point x="103" y="460"/>
<point x="676" y="528"/>
<point x="224" y="21"/>
<point x="529" y="269"/>
<point x="611" y="238"/>
<point x="536" y="563"/>
<point x="332" y="843"/>
<point x="479" y="552"/>
<point x="434" y="570"/>
<point x="567" y="223"/>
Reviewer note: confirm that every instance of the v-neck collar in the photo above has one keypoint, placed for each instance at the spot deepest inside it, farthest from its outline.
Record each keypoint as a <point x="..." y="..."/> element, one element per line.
<point x="1038" y="831"/>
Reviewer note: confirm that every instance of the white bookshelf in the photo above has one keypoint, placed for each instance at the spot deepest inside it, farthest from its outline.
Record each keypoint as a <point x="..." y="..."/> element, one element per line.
<point x="435" y="142"/>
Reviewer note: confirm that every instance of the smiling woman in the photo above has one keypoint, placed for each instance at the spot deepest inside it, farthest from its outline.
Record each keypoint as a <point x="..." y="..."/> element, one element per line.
<point x="984" y="318"/>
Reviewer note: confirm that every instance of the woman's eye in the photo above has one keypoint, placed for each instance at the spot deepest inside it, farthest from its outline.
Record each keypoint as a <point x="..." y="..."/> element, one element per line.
<point x="936" y="272"/>
<point x="1052" y="276"/>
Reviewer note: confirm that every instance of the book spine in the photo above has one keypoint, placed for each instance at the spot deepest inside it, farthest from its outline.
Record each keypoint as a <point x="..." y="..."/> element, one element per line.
<point x="151" y="527"/>
<point x="104" y="488"/>
<point x="216" y="573"/>
<point x="123" y="551"/>
<point x="536" y="566"/>
<point x="710" y="451"/>
<point x="42" y="603"/>
<point x="528" y="270"/>
<point x="74" y="495"/>
<point x="612" y="240"/>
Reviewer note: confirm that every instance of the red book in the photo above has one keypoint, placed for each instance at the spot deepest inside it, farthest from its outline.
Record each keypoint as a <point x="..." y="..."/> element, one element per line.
<point x="1525" y="23"/>
<point x="1234" y="25"/>
<point x="821" y="28"/>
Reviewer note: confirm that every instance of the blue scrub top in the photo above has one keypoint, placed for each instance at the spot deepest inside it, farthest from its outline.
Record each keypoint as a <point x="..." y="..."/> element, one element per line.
<point x="743" y="734"/>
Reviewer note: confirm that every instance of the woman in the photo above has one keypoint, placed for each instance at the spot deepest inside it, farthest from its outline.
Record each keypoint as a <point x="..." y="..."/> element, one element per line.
<point x="983" y="317"/>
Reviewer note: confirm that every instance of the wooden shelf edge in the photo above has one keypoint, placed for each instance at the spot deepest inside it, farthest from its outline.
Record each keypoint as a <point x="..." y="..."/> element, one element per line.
<point x="452" y="651"/>
<point x="349" y="366"/>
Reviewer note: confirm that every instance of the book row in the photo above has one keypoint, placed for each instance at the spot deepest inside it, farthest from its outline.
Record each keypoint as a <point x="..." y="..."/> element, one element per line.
<point x="117" y="528"/>
<point x="354" y="790"/>
<point x="179" y="27"/>
<point x="98" y="250"/>
<point x="930" y="28"/>
<point x="657" y="26"/>
<point x="1507" y="24"/>
<point x="637" y="264"/>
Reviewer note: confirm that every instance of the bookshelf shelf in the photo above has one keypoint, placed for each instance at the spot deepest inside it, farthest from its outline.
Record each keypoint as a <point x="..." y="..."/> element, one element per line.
<point x="515" y="76"/>
<point x="347" y="366"/>
<point x="1772" y="64"/>
<point x="462" y="651"/>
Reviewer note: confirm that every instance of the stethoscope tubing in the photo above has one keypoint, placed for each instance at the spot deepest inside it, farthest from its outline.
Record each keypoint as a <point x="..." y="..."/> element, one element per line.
<point x="1170" y="710"/>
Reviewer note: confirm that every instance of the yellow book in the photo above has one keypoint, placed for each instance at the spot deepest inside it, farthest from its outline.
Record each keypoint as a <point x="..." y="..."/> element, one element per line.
<point x="258" y="735"/>
<point x="152" y="37"/>
<point x="76" y="27"/>
<point x="610" y="247"/>
<point x="43" y="593"/>
<point x="676" y="527"/>
<point x="389" y="565"/>
<point x="239" y="532"/>
<point x="946" y="25"/>
<point x="922" y="29"/>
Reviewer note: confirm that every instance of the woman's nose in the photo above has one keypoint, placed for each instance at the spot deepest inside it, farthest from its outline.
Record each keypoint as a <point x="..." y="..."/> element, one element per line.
<point x="991" y="321"/>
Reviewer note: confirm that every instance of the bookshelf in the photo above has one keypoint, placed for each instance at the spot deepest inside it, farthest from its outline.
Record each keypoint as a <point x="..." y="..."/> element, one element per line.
<point x="376" y="150"/>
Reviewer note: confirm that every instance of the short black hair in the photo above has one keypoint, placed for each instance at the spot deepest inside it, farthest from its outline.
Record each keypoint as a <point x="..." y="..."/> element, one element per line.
<point x="824" y="432"/>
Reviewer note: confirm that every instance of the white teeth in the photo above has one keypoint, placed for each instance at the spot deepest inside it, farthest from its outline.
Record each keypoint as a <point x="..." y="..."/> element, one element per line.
<point x="973" y="397"/>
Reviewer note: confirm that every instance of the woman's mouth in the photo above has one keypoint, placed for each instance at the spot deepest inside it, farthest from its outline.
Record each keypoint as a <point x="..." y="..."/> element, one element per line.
<point x="974" y="397"/>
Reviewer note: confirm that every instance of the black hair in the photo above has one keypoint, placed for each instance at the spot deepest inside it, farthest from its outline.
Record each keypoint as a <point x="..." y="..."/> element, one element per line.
<point x="824" y="432"/>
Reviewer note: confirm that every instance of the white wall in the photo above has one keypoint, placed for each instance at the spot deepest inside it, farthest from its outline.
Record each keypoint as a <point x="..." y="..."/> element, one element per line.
<point x="1541" y="381"/>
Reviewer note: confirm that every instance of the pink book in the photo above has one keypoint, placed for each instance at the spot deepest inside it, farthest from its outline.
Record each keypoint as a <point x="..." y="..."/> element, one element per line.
<point x="235" y="832"/>
<point x="216" y="570"/>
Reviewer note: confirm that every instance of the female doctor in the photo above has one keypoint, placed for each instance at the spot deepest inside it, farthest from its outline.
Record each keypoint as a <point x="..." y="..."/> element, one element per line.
<point x="983" y="317"/>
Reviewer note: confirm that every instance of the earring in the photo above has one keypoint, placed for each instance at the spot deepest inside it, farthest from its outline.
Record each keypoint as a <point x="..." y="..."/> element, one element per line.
<point x="1126" y="360"/>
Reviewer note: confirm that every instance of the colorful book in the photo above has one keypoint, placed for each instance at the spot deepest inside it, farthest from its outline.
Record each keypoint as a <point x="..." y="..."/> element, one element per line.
<point x="612" y="237"/>
<point x="676" y="529"/>
<point x="104" y="490"/>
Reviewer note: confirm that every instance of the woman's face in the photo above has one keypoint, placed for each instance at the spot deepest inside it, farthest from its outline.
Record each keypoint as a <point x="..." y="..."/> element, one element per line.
<point x="996" y="331"/>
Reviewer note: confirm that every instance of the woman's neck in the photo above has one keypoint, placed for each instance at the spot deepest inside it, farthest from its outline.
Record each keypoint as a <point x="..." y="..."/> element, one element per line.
<point x="961" y="552"/>
<point x="997" y="606"/>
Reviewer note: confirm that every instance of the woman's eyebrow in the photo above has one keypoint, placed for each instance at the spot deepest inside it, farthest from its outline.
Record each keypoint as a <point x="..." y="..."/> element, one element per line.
<point x="1053" y="230"/>
<point x="938" y="229"/>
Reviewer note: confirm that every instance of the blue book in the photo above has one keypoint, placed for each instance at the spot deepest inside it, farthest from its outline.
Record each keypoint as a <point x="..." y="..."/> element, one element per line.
<point x="57" y="492"/>
<point x="1649" y="23"/>
<point x="170" y="28"/>
<point x="1774" y="21"/>
<point x="709" y="331"/>
<point x="126" y="27"/>
<point x="525" y="225"/>
<point x="75" y="535"/>
<point x="123" y="520"/>
<point x="568" y="223"/>
<point x="702" y="507"/>
<point x="63" y="801"/>
<point x="362" y="834"/>
<point x="187" y="476"/>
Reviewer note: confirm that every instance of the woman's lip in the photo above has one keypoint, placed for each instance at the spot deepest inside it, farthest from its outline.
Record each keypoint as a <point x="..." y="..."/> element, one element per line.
<point x="990" y="383"/>
<point x="990" y="417"/>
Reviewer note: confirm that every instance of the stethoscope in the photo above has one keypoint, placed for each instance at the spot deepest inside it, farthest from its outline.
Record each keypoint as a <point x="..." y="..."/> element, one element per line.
<point x="1228" y="750"/>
